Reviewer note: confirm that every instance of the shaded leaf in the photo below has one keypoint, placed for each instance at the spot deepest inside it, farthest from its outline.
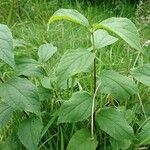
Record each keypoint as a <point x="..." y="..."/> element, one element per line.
<point x="46" y="51"/>
<point x="77" y="108"/>
<point x="29" y="133"/>
<point x="44" y="94"/>
<point x="113" y="123"/>
<point x="102" y="39"/>
<point x="144" y="135"/>
<point x="142" y="74"/>
<point x="81" y="140"/>
<point x="29" y="67"/>
<point x="6" y="45"/>
<point x="70" y="15"/>
<point x="20" y="94"/>
<point x="120" y="145"/>
<point x="119" y="86"/>
<point x="72" y="63"/>
<point x="5" y="114"/>
<point x="124" y="28"/>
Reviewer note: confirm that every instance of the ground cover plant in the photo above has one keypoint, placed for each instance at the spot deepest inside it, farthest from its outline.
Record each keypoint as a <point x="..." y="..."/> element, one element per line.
<point x="90" y="106"/>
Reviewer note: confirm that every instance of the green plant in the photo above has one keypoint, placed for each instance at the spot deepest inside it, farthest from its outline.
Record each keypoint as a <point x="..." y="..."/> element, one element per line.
<point x="101" y="105"/>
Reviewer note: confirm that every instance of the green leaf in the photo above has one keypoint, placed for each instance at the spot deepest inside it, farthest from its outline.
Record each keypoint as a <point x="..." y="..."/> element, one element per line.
<point x="120" y="145"/>
<point x="5" y="114"/>
<point x="119" y="86"/>
<point x="124" y="28"/>
<point x="77" y="108"/>
<point x="6" y="45"/>
<point x="102" y="39"/>
<point x="20" y="94"/>
<point x="47" y="82"/>
<point x="46" y="51"/>
<point x="29" y="133"/>
<point x="144" y="135"/>
<point x="142" y="74"/>
<point x="29" y="67"/>
<point x="70" y="15"/>
<point x="81" y="140"/>
<point x="72" y="63"/>
<point x="45" y="94"/>
<point x="113" y="123"/>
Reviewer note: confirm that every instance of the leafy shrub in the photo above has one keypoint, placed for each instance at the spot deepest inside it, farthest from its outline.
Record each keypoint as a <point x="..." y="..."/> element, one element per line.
<point x="96" y="113"/>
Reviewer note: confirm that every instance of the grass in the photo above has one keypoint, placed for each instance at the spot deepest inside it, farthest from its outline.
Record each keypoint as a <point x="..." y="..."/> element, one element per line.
<point x="28" y="21"/>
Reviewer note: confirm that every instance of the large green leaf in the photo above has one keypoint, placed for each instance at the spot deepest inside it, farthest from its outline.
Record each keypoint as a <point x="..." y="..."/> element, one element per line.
<point x="29" y="133"/>
<point x="124" y="28"/>
<point x="113" y="123"/>
<point x="102" y="39"/>
<point x="142" y="74"/>
<point x="6" y="45"/>
<point x="29" y="67"/>
<point x="120" y="145"/>
<point x="46" y="51"/>
<point x="119" y="86"/>
<point x="5" y="114"/>
<point x="70" y="15"/>
<point x="81" y="140"/>
<point x="20" y="94"/>
<point x="77" y="108"/>
<point x="144" y="135"/>
<point x="72" y="63"/>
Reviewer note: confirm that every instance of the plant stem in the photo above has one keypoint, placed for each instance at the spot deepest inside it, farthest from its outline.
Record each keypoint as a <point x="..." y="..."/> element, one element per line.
<point x="93" y="113"/>
<point x="94" y="91"/>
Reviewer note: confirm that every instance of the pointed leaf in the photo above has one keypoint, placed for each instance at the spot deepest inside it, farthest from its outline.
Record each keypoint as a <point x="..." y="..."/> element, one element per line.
<point x="29" y="133"/>
<point x="144" y="135"/>
<point x="29" y="67"/>
<point x="81" y="140"/>
<point x="70" y="15"/>
<point x="102" y="39"/>
<point x="74" y="62"/>
<point x="20" y="94"/>
<point x="113" y="123"/>
<point x="6" y="45"/>
<point x="124" y="28"/>
<point x="46" y="51"/>
<point x="77" y="108"/>
<point x="5" y="114"/>
<point x="142" y="74"/>
<point x="119" y="86"/>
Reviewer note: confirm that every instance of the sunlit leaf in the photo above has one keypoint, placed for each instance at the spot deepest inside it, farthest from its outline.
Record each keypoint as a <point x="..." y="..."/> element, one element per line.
<point x="124" y="28"/>
<point x="102" y="39"/>
<point x="142" y="74"/>
<point x="70" y="15"/>
<point x="6" y="45"/>
<point x="46" y="51"/>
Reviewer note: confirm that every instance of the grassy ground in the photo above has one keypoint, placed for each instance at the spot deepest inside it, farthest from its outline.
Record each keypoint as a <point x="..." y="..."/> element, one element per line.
<point x="28" y="22"/>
